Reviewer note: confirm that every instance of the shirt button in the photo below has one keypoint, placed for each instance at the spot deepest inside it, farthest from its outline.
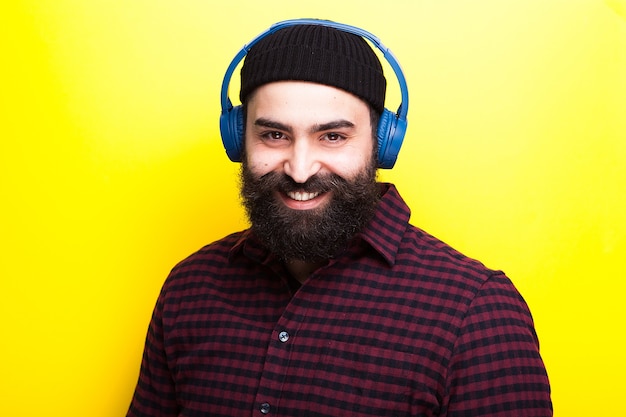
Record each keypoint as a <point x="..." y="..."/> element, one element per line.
<point x="283" y="336"/>
<point x="265" y="408"/>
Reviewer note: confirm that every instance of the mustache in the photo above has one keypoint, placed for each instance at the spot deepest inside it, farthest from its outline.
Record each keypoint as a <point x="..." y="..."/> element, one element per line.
<point x="282" y="182"/>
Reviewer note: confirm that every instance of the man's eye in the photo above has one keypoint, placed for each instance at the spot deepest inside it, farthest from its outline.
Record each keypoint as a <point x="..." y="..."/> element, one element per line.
<point x="334" y="137"/>
<point x="275" y="135"/>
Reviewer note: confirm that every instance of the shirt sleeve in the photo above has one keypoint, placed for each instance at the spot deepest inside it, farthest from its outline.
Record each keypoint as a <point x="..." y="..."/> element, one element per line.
<point x="496" y="369"/>
<point x="155" y="392"/>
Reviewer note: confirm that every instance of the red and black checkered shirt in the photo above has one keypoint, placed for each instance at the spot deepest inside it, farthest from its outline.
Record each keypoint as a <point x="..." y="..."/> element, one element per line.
<point x="399" y="324"/>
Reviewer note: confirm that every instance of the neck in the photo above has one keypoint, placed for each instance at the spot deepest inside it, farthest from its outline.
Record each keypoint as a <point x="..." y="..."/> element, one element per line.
<point x="301" y="270"/>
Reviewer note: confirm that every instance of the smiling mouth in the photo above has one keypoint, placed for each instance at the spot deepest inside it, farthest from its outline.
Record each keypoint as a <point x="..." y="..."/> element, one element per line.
<point x="302" y="196"/>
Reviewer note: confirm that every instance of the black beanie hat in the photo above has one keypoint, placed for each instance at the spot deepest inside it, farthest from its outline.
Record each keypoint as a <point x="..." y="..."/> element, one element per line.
<point x="319" y="54"/>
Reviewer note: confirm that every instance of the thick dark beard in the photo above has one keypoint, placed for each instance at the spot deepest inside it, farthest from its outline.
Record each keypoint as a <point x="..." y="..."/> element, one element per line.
<point x="309" y="235"/>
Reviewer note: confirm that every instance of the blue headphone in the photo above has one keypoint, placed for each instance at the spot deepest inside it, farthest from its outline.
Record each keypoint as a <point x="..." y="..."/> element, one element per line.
<point x="391" y="126"/>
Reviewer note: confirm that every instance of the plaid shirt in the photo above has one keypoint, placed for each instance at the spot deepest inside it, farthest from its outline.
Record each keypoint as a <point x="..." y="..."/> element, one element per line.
<point x="399" y="324"/>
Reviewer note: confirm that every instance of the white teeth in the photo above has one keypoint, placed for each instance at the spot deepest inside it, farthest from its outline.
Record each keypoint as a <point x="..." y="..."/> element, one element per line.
<point x="300" y="196"/>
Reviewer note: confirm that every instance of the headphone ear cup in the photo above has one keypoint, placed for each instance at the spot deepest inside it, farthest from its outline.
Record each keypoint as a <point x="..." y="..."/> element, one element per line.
<point x="390" y="134"/>
<point x="231" y="129"/>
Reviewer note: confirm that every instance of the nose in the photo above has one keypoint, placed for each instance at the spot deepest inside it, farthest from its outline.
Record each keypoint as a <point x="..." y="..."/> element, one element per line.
<point x="302" y="161"/>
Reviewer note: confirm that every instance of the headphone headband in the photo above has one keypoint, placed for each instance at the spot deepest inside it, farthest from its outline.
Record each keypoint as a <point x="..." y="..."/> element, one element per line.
<point x="392" y="125"/>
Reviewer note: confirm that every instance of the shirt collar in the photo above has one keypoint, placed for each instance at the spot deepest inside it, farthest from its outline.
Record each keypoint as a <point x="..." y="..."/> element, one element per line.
<point x="383" y="233"/>
<point x="386" y="229"/>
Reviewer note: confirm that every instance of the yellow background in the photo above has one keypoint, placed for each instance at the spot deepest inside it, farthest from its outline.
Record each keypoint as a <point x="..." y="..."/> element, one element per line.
<point x="111" y="171"/>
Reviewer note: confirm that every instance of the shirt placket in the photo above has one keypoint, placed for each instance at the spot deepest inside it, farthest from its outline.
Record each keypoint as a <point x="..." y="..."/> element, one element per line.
<point x="277" y="362"/>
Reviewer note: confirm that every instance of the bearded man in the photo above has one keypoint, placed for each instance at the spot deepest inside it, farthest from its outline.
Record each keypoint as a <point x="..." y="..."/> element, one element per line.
<point x="331" y="303"/>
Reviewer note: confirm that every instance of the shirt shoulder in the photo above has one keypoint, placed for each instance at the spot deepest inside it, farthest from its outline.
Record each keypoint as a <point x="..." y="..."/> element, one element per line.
<point x="212" y="260"/>
<point x="427" y="251"/>
<point x="432" y="271"/>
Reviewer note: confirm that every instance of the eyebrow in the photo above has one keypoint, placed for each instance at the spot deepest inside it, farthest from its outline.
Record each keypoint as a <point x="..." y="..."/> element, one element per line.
<point x="272" y="124"/>
<point x="335" y="124"/>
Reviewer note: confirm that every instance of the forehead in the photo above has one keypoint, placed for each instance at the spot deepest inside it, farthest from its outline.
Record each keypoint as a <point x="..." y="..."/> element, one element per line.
<point x="303" y="100"/>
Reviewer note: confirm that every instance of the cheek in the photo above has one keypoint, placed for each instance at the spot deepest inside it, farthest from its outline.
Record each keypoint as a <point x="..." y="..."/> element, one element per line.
<point x="259" y="162"/>
<point x="352" y="160"/>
